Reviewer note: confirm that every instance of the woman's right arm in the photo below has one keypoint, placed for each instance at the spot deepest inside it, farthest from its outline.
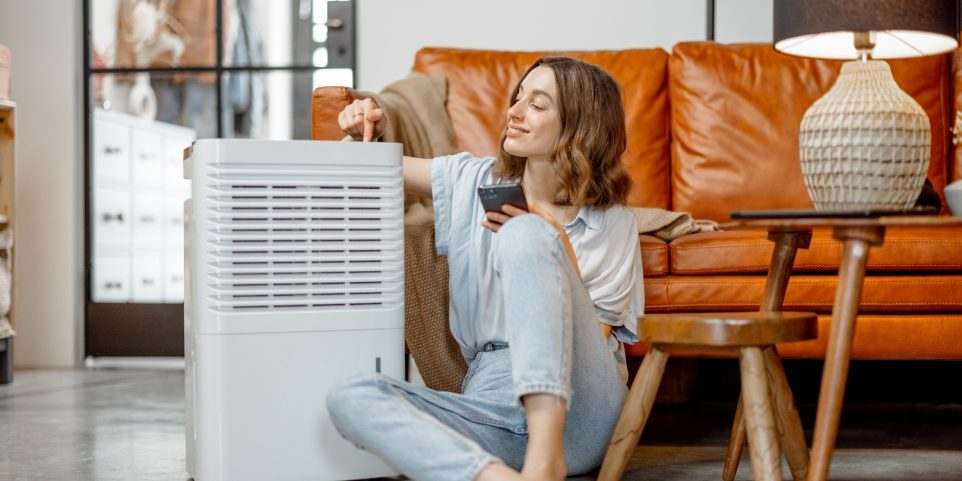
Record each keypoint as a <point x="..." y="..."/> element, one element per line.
<point x="363" y="120"/>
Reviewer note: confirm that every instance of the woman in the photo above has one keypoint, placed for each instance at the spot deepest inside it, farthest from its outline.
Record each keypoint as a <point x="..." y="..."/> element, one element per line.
<point x="545" y="382"/>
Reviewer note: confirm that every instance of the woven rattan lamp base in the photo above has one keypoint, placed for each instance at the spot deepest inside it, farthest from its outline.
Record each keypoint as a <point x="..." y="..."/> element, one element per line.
<point x="866" y="143"/>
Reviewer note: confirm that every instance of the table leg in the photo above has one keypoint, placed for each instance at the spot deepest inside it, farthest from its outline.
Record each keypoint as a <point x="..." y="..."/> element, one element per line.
<point x="736" y="442"/>
<point x="759" y="421"/>
<point x="791" y="436"/>
<point x="787" y="242"/>
<point x="856" y="244"/>
<point x="634" y="415"/>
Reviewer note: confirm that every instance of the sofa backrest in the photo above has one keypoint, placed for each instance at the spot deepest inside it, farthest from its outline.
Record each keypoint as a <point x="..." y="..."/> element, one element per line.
<point x="735" y="116"/>
<point x="480" y="84"/>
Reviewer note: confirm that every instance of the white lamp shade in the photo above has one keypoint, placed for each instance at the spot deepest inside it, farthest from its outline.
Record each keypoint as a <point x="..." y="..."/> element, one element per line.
<point x="898" y="28"/>
<point x="888" y="44"/>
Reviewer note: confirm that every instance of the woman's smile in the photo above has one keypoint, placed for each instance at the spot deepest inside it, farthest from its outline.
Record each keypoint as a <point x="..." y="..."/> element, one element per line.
<point x="515" y="131"/>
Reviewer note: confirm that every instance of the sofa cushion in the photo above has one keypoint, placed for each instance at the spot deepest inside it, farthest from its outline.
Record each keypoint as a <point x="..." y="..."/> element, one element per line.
<point x="735" y="116"/>
<point x="326" y="102"/>
<point x="480" y="83"/>
<point x="750" y="251"/>
<point x="880" y="293"/>
<point x="654" y="256"/>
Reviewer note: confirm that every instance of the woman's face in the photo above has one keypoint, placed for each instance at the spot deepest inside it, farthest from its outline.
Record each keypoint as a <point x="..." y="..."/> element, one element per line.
<point x="534" y="121"/>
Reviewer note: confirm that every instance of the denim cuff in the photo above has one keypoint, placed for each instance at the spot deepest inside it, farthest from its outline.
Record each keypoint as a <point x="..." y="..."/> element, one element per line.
<point x="521" y="390"/>
<point x="442" y="211"/>
<point x="482" y="462"/>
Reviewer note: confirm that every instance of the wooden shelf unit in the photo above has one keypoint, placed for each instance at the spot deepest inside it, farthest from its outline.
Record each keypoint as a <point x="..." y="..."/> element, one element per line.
<point x="8" y="142"/>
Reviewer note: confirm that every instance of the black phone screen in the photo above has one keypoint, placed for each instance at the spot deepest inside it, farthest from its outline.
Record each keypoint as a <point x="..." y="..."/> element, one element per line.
<point x="493" y="196"/>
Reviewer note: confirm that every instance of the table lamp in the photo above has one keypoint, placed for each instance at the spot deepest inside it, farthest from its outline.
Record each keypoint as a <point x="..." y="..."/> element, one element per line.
<point x="866" y="144"/>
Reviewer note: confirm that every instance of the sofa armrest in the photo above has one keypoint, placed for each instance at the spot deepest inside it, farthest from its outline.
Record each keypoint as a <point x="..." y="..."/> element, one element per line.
<point x="326" y="103"/>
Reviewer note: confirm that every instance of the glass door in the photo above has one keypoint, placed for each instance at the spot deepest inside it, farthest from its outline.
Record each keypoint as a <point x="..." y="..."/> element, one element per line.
<point x="159" y="74"/>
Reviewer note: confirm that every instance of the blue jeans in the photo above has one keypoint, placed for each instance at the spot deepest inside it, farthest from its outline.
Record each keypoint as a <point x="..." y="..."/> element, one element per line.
<point x="555" y="345"/>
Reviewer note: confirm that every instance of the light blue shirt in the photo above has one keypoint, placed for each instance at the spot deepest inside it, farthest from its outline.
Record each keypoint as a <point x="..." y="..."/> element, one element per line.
<point x="605" y="242"/>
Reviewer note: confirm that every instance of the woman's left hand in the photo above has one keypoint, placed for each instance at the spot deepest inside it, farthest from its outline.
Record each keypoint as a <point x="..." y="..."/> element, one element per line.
<point x="494" y="220"/>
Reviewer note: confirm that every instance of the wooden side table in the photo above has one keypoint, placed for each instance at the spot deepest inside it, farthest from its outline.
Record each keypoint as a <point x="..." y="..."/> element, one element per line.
<point x="858" y="236"/>
<point x="791" y="437"/>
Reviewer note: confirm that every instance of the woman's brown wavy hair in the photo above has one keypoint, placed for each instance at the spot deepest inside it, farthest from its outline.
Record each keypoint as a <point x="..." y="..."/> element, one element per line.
<point x="587" y="158"/>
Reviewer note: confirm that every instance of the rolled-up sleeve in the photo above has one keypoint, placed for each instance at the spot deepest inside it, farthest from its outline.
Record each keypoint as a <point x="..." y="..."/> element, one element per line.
<point x="618" y="292"/>
<point x="454" y="179"/>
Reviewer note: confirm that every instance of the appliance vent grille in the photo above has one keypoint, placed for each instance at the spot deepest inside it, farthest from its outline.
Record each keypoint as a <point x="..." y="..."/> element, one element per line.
<point x="304" y="237"/>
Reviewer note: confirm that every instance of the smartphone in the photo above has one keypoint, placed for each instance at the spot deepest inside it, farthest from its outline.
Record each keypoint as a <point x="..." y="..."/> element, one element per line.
<point x="493" y="196"/>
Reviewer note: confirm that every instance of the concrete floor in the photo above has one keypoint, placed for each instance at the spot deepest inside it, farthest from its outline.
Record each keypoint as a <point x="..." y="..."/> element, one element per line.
<point x="128" y="424"/>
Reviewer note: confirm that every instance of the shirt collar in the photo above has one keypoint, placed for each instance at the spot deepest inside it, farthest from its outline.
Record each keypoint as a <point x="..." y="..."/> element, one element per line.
<point x="593" y="218"/>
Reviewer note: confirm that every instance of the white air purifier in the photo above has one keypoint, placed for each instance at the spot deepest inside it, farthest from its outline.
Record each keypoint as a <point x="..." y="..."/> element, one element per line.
<point x="295" y="280"/>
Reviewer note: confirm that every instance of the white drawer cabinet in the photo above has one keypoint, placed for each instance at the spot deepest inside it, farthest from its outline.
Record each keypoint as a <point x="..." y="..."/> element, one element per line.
<point x="174" y="276"/>
<point x="110" y="218"/>
<point x="136" y="210"/>
<point x="147" y="276"/>
<point x="146" y="159"/>
<point x="148" y="220"/>
<point x="174" y="220"/>
<point x="111" y="277"/>
<point x="174" y="146"/>
<point x="111" y="152"/>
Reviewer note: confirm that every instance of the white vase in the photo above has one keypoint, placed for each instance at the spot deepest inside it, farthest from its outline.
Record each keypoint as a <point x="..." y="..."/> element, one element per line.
<point x="866" y="143"/>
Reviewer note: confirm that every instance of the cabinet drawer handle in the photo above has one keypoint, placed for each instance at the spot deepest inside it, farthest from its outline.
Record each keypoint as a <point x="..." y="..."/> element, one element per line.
<point x="111" y="150"/>
<point x="113" y="285"/>
<point x="107" y="217"/>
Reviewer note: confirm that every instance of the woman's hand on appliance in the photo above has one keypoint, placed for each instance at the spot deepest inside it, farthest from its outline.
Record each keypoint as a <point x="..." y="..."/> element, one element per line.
<point x="362" y="120"/>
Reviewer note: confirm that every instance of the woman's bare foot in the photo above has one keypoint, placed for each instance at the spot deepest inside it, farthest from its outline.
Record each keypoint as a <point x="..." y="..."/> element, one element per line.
<point x="498" y="472"/>
<point x="544" y="457"/>
<point x="552" y="472"/>
<point x="501" y="472"/>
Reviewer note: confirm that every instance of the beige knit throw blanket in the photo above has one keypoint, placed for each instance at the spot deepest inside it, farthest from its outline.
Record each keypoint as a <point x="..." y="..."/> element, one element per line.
<point x="669" y="225"/>
<point x="426" y="330"/>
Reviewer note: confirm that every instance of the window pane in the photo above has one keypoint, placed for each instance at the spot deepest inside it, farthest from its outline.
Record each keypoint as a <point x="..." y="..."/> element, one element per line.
<point x="333" y="77"/>
<point x="261" y="33"/>
<point x="139" y="34"/>
<point x="182" y="98"/>
<point x="137" y="187"/>
<point x="282" y="33"/>
<point x="267" y="105"/>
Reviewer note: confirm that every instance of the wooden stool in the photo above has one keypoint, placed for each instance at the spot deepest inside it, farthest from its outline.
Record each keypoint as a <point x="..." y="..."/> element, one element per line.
<point x="745" y="334"/>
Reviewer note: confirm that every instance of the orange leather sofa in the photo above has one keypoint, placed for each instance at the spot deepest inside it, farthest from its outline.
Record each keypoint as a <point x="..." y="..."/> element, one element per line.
<point x="712" y="129"/>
